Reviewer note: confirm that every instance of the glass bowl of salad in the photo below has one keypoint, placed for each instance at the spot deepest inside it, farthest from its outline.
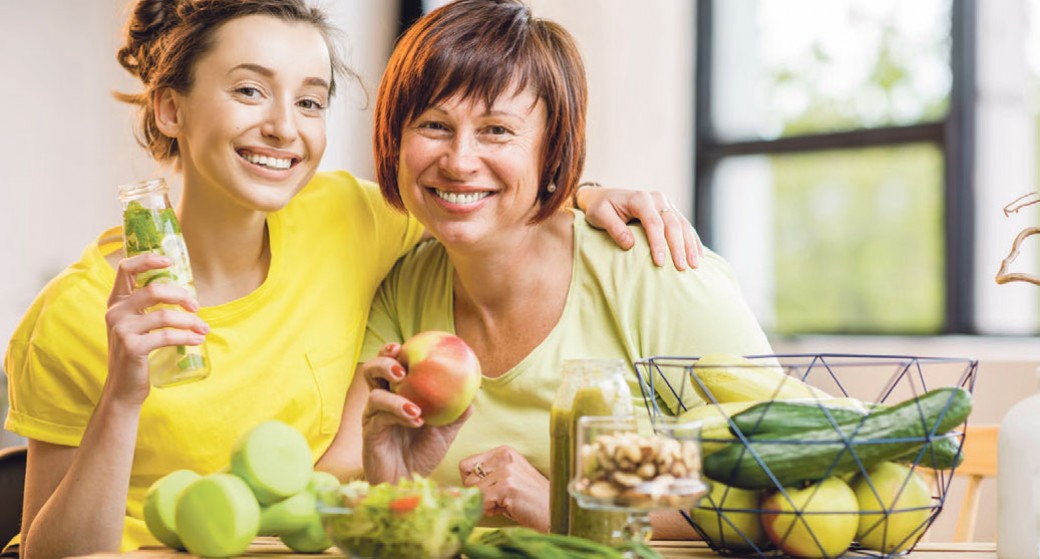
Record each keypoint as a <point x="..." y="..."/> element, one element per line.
<point x="412" y="519"/>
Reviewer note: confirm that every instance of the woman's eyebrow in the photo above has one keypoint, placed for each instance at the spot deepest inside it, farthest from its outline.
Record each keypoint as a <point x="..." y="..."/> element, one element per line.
<point x="267" y="72"/>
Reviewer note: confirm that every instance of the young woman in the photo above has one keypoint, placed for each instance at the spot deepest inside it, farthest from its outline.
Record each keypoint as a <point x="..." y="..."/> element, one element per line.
<point x="285" y="265"/>
<point x="480" y="134"/>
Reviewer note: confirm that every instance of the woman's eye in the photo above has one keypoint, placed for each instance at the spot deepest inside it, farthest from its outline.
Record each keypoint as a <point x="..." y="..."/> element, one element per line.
<point x="248" y="92"/>
<point x="312" y="105"/>
<point x="433" y="125"/>
<point x="498" y="130"/>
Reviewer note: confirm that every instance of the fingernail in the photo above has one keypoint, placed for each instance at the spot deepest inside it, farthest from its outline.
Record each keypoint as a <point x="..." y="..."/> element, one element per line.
<point x="198" y="338"/>
<point x="659" y="258"/>
<point x="389" y="348"/>
<point x="397" y="372"/>
<point x="412" y="410"/>
<point x="205" y="328"/>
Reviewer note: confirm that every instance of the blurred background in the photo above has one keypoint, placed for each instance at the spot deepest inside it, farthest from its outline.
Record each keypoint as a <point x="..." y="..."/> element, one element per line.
<point x="850" y="158"/>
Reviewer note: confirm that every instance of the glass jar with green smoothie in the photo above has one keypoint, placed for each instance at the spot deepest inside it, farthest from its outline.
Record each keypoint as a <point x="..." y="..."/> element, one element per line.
<point x="150" y="225"/>
<point x="589" y="387"/>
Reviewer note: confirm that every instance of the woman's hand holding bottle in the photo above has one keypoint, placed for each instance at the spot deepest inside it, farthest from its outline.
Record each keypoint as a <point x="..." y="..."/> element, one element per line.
<point x="134" y="331"/>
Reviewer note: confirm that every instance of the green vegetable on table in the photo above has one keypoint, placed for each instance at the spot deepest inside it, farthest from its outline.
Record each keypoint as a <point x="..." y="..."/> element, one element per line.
<point x="521" y="543"/>
<point x="818" y="453"/>
<point x="414" y="518"/>
<point x="784" y="419"/>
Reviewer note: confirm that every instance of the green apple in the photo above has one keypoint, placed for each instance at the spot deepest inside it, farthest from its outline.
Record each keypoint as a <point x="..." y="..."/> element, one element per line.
<point x="274" y="459"/>
<point x="296" y="513"/>
<point x="290" y="515"/>
<point x="717" y="515"/>
<point x="894" y="506"/>
<point x="312" y="539"/>
<point x="160" y="506"/>
<point x="816" y="521"/>
<point x="443" y="375"/>
<point x="217" y="516"/>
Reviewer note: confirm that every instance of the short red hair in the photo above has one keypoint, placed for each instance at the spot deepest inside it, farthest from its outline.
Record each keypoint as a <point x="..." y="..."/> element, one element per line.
<point x="476" y="49"/>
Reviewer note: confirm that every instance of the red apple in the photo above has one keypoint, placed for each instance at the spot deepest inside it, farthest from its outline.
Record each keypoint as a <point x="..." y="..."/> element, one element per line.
<point x="443" y="375"/>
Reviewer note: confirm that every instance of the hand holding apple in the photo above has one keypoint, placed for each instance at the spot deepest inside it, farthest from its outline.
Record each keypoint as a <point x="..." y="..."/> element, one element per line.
<point x="403" y="429"/>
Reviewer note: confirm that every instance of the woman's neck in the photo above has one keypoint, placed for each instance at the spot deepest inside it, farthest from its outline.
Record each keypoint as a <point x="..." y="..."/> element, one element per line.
<point x="515" y="267"/>
<point x="228" y="245"/>
<point x="510" y="297"/>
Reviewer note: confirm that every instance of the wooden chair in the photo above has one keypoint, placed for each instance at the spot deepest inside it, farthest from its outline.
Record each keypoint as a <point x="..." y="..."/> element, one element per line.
<point x="980" y="461"/>
<point x="12" y="488"/>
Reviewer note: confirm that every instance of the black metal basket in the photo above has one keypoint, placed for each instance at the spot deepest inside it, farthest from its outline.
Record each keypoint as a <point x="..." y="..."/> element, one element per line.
<point x="774" y="517"/>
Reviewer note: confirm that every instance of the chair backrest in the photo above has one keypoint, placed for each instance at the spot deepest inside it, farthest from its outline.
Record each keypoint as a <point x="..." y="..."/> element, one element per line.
<point x="12" y="488"/>
<point x="980" y="461"/>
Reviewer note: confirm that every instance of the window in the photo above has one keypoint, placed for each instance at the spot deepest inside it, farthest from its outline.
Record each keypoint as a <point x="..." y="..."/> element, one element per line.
<point x="834" y="145"/>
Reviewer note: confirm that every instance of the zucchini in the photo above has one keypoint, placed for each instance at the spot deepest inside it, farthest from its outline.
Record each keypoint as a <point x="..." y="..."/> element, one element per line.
<point x="776" y="418"/>
<point x="829" y="451"/>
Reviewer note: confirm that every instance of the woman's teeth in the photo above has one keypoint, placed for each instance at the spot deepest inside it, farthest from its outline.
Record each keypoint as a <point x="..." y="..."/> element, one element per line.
<point x="273" y="162"/>
<point x="463" y="199"/>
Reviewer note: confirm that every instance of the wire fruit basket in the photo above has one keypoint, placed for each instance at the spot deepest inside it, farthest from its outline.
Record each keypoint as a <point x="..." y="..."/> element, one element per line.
<point x="817" y="455"/>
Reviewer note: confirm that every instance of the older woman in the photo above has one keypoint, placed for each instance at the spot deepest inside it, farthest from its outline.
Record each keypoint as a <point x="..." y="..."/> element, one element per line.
<point x="480" y="134"/>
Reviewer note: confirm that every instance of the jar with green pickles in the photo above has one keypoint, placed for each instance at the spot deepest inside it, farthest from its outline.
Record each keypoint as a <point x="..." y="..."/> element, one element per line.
<point x="589" y="387"/>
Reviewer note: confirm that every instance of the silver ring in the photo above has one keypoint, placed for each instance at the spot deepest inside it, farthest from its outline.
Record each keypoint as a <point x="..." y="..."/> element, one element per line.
<point x="478" y="470"/>
<point x="666" y="210"/>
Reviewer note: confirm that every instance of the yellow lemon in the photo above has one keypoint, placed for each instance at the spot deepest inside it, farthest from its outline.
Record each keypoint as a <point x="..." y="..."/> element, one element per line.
<point x="894" y="507"/>
<point x="817" y="521"/>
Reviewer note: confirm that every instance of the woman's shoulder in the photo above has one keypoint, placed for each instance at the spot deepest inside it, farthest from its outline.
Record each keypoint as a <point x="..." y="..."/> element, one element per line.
<point x="421" y="263"/>
<point x="599" y="250"/>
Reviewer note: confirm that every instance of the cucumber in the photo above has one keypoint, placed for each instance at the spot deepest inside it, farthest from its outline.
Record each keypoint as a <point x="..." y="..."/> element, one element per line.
<point x="819" y="453"/>
<point x="942" y="453"/>
<point x="778" y="417"/>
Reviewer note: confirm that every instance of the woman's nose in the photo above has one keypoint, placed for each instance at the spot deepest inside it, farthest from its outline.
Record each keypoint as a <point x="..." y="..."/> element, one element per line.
<point x="280" y="123"/>
<point x="461" y="158"/>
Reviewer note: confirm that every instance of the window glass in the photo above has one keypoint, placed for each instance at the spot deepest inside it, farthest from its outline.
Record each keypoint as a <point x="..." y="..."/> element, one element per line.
<point x="838" y="241"/>
<point x="793" y="67"/>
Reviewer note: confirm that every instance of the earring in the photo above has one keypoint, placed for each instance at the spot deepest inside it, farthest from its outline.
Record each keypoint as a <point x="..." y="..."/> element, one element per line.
<point x="551" y="188"/>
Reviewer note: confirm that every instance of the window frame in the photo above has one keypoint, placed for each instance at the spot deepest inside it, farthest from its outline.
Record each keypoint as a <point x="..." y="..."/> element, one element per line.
<point x="954" y="135"/>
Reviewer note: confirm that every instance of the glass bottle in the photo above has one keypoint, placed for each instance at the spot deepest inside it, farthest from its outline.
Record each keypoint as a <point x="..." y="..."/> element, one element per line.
<point x="589" y="387"/>
<point x="1018" y="481"/>
<point x="150" y="225"/>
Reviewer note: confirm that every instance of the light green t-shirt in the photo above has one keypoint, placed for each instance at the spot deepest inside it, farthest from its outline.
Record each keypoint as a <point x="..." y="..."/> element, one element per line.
<point x="619" y="306"/>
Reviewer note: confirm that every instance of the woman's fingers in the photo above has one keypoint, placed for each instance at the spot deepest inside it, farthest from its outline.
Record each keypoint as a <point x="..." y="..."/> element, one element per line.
<point x="386" y="408"/>
<point x="511" y="486"/>
<point x="694" y="246"/>
<point x="390" y="350"/>
<point x="127" y="270"/>
<point x="171" y="318"/>
<point x="382" y="372"/>
<point x="143" y="344"/>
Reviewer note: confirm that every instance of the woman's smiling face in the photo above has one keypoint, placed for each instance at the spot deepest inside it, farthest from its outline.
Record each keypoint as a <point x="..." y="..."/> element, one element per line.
<point x="468" y="170"/>
<point x="252" y="125"/>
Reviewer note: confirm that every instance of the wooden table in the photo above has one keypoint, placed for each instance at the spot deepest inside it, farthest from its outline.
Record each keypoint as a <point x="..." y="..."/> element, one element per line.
<point x="272" y="548"/>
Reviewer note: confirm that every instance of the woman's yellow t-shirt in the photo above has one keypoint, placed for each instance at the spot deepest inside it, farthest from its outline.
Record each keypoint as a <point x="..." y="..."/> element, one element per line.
<point x="286" y="351"/>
